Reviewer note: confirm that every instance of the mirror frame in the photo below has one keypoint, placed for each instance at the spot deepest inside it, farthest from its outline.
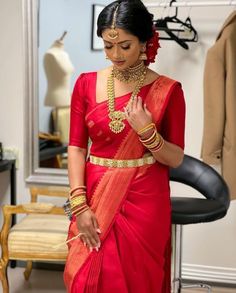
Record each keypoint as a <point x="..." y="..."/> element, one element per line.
<point x="34" y="174"/>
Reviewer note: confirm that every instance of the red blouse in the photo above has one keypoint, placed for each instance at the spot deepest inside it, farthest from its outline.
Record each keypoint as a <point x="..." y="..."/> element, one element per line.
<point x="87" y="117"/>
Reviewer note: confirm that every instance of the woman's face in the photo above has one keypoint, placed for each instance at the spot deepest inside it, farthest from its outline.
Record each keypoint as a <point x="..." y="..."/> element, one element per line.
<point x="124" y="51"/>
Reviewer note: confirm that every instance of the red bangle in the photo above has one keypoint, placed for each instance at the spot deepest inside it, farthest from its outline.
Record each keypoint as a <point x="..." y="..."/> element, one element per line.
<point x="77" y="188"/>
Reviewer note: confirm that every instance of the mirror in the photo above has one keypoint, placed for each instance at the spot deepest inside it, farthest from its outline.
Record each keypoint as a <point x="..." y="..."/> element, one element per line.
<point x="52" y="28"/>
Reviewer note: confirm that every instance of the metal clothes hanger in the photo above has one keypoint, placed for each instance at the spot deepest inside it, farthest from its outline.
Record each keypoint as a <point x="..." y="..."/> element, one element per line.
<point x="183" y="31"/>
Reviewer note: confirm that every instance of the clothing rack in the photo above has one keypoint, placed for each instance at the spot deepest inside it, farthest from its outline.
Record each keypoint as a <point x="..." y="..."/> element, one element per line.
<point x="191" y="3"/>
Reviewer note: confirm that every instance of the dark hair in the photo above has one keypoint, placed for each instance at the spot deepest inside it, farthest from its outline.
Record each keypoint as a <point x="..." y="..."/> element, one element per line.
<point x="132" y="16"/>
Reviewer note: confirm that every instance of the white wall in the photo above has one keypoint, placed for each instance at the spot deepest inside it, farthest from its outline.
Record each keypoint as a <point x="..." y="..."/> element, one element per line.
<point x="11" y="92"/>
<point x="209" y="247"/>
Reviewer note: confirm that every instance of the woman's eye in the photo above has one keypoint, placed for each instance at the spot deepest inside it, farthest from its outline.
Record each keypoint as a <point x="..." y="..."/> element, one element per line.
<point x="108" y="47"/>
<point x="125" y="47"/>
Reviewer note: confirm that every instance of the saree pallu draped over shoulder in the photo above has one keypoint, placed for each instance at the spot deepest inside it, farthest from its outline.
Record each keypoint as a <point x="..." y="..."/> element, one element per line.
<point x="133" y="211"/>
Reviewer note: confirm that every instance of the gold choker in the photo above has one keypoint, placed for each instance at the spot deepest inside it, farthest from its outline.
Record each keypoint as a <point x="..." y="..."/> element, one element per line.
<point x="116" y="124"/>
<point x="130" y="74"/>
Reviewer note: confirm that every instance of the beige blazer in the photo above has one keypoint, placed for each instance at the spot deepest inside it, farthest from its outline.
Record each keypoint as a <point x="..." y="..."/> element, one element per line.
<point x="219" y="134"/>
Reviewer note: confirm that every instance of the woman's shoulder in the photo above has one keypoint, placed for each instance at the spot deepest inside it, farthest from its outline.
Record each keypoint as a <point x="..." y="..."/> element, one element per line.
<point x="91" y="75"/>
<point x="151" y="77"/>
<point x="87" y="75"/>
<point x="104" y="72"/>
<point x="85" y="78"/>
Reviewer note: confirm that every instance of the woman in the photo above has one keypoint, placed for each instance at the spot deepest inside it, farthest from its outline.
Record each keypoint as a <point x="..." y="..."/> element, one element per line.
<point x="120" y="198"/>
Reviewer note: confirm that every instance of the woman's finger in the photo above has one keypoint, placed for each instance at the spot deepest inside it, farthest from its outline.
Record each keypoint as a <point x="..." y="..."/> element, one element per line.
<point x="146" y="110"/>
<point x="94" y="238"/>
<point x="88" y="241"/>
<point x="126" y="113"/>
<point x="131" y="105"/>
<point x="139" y="103"/>
<point x="134" y="104"/>
<point x="95" y="225"/>
<point x="83" y="239"/>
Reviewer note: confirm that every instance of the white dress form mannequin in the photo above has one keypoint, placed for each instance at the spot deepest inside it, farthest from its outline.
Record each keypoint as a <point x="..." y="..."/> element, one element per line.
<point x="58" y="69"/>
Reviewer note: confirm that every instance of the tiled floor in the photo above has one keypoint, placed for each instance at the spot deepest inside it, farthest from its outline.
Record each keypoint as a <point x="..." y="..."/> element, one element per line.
<point x="45" y="281"/>
<point x="41" y="281"/>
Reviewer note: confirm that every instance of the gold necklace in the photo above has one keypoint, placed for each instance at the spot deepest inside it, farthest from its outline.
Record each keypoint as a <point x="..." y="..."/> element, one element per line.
<point x="116" y="124"/>
<point x="130" y="74"/>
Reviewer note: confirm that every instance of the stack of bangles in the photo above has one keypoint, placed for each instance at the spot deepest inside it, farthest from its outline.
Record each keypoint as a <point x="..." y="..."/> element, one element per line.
<point x="154" y="142"/>
<point x="77" y="197"/>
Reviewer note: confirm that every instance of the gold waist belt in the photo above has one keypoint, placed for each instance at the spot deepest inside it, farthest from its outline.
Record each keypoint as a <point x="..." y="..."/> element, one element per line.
<point x="147" y="160"/>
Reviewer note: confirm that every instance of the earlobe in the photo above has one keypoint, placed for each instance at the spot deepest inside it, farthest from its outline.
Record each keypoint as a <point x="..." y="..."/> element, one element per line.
<point x="143" y="47"/>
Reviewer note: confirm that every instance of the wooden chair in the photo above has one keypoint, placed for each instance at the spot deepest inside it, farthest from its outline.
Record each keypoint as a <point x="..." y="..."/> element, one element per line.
<point x="39" y="236"/>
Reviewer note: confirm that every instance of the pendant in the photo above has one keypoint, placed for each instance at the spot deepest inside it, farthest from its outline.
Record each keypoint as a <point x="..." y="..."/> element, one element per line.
<point x="116" y="124"/>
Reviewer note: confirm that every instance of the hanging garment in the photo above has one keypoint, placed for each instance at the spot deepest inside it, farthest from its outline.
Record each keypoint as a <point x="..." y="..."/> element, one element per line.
<point x="219" y="135"/>
<point x="132" y="205"/>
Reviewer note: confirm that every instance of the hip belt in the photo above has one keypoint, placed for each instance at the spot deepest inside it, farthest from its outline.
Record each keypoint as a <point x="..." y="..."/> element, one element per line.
<point x="146" y="160"/>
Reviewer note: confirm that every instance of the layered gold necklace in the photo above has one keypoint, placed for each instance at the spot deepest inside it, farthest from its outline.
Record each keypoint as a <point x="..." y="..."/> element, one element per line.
<point x="131" y="74"/>
<point x="137" y="73"/>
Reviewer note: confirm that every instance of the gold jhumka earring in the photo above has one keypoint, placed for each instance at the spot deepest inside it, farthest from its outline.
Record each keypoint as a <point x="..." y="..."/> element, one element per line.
<point x="113" y="33"/>
<point x="143" y="56"/>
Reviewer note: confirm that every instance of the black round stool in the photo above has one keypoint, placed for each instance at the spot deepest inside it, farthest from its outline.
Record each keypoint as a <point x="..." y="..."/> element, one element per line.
<point x="189" y="210"/>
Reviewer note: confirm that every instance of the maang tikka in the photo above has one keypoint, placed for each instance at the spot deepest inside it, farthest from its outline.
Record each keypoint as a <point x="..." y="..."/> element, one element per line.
<point x="113" y="33"/>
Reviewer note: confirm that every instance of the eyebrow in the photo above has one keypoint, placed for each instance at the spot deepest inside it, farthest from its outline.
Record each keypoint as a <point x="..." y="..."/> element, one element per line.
<point x="117" y="43"/>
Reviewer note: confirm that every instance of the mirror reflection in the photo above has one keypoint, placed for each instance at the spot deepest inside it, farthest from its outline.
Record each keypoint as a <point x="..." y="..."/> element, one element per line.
<point x="66" y="47"/>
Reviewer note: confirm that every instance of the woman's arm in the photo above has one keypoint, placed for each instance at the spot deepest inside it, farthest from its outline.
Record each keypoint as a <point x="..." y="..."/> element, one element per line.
<point x="173" y="124"/>
<point x="170" y="155"/>
<point x="76" y="166"/>
<point x="86" y="221"/>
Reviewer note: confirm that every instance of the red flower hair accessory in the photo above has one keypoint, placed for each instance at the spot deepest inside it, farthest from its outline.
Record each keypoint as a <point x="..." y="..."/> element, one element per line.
<point x="152" y="47"/>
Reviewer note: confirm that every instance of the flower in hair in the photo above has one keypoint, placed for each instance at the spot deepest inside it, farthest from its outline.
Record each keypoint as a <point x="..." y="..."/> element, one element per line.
<point x="152" y="47"/>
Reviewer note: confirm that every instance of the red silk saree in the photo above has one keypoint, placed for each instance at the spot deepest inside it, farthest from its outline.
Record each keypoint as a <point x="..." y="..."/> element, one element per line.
<point x="132" y="205"/>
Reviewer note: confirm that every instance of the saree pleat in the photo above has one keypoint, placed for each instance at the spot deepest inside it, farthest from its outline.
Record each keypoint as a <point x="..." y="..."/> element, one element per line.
<point x="132" y="207"/>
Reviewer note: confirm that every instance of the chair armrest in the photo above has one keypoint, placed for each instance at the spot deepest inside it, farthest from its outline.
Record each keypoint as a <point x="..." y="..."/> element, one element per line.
<point x="9" y="210"/>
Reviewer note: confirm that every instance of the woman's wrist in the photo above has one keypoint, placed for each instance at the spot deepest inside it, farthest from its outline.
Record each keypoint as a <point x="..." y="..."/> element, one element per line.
<point x="78" y="213"/>
<point x="150" y="138"/>
<point x="78" y="200"/>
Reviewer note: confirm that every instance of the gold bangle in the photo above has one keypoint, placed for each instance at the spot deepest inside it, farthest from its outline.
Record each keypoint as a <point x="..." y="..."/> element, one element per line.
<point x="78" y="208"/>
<point x="148" y="139"/>
<point x="158" y="140"/>
<point x="76" y="188"/>
<point x="80" y="212"/>
<point x="159" y="147"/>
<point x="154" y="143"/>
<point x="147" y="127"/>
<point x="77" y="194"/>
<point x="77" y="201"/>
